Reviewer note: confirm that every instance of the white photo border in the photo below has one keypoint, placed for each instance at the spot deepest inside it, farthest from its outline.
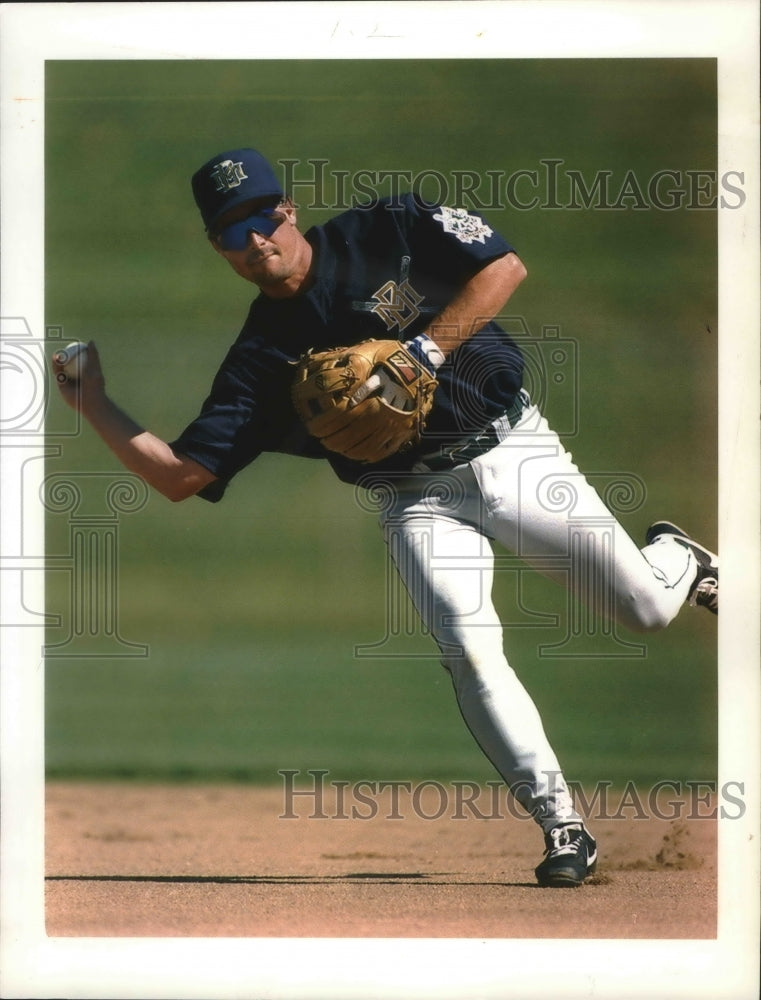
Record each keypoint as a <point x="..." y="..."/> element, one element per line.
<point x="34" y="965"/>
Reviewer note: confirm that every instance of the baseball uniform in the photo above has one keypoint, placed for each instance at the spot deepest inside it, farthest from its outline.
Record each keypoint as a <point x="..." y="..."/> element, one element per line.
<point x="488" y="469"/>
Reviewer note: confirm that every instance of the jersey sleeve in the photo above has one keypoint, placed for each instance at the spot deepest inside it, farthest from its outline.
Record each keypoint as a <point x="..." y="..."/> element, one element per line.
<point x="223" y="437"/>
<point x="247" y="412"/>
<point x="461" y="242"/>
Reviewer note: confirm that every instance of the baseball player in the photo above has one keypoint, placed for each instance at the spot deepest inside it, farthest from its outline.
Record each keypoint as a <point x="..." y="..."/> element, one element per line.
<point x="421" y="285"/>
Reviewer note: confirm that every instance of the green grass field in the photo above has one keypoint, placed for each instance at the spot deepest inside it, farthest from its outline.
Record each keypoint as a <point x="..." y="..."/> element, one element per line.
<point x="251" y="610"/>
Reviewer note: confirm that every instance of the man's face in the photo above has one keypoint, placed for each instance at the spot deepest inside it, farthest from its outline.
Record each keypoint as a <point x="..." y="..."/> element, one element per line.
<point x="275" y="263"/>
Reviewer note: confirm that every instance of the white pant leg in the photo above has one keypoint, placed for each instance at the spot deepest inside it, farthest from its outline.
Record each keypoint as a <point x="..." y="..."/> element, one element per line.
<point x="541" y="508"/>
<point x="528" y="495"/>
<point x="446" y="564"/>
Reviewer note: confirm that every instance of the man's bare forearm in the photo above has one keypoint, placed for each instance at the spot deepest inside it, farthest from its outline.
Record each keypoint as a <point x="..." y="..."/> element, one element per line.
<point x="478" y="302"/>
<point x="175" y="476"/>
<point x="145" y="454"/>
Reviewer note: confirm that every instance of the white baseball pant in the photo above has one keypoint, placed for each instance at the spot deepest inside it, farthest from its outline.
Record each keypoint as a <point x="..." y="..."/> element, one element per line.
<point x="527" y="495"/>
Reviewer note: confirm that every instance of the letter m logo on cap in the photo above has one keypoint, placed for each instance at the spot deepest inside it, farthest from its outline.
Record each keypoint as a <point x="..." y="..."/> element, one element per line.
<point x="227" y="175"/>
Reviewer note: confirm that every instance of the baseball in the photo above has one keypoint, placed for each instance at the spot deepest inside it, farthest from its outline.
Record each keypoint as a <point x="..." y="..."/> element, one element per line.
<point x="73" y="358"/>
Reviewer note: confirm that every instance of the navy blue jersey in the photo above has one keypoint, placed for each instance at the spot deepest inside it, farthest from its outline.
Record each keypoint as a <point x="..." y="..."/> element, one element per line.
<point x="383" y="271"/>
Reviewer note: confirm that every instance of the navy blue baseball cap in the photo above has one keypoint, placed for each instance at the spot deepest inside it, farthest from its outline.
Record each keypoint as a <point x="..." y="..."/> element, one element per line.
<point x="231" y="178"/>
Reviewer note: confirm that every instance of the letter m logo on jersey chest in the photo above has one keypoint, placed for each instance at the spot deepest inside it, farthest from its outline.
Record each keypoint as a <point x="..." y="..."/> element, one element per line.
<point x="227" y="175"/>
<point x="396" y="304"/>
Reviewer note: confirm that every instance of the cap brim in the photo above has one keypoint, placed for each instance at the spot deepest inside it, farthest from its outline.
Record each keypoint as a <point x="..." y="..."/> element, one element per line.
<point x="264" y="196"/>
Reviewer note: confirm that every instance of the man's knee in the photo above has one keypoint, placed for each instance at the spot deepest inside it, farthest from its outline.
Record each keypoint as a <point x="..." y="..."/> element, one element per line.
<point x="645" y="613"/>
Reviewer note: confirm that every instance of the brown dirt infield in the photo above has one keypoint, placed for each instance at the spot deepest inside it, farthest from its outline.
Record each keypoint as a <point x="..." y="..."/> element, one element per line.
<point x="126" y="860"/>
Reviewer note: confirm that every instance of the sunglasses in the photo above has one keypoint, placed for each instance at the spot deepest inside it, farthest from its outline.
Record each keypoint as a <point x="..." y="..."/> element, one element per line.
<point x="236" y="235"/>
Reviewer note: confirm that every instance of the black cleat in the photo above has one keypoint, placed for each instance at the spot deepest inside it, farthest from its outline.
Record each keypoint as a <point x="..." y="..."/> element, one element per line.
<point x="705" y="589"/>
<point x="570" y="856"/>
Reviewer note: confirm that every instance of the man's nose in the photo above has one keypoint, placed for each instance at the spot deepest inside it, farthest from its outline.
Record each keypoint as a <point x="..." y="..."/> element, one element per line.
<point x="256" y="239"/>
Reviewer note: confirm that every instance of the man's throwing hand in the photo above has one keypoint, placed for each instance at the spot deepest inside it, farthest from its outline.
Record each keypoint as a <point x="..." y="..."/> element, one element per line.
<point x="78" y="374"/>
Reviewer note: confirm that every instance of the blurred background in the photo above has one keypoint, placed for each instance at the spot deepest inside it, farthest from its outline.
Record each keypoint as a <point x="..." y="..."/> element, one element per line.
<point x="252" y="635"/>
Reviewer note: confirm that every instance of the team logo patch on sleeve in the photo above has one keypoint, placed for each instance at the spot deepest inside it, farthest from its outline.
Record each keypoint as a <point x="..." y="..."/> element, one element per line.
<point x="466" y="227"/>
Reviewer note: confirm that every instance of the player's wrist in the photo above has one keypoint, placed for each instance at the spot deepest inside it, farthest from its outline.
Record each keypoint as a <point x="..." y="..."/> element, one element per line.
<point x="95" y="406"/>
<point x="426" y="351"/>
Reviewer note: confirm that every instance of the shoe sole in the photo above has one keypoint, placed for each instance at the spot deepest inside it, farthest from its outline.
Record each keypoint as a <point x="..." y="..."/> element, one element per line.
<point x="567" y="878"/>
<point x="564" y="881"/>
